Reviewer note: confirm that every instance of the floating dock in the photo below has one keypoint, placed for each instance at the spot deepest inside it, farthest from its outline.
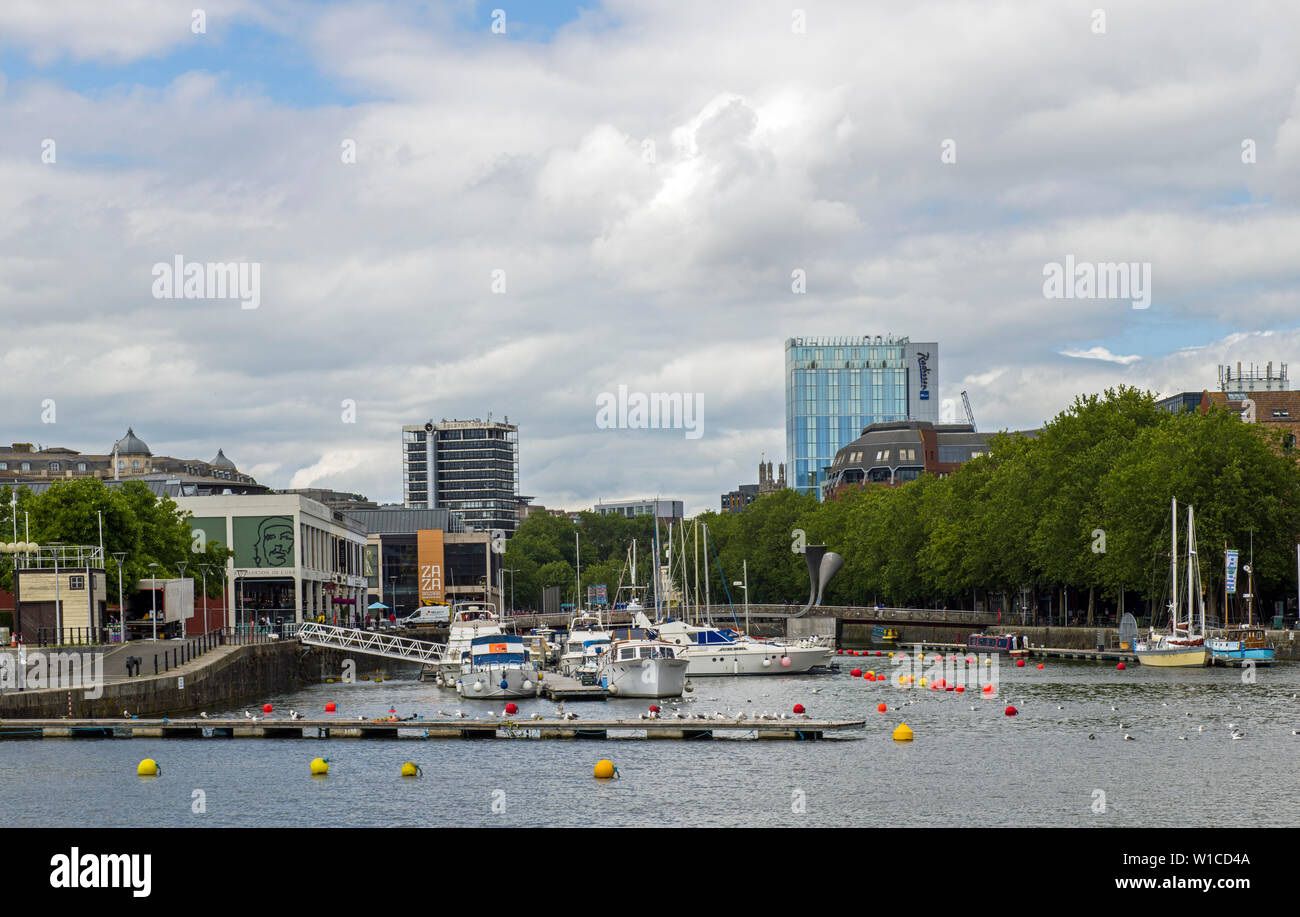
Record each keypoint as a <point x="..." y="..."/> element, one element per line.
<point x="800" y="728"/>
<point x="561" y="687"/>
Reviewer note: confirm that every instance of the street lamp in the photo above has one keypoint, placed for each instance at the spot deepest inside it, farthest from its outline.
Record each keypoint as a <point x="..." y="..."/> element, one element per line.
<point x="58" y="605"/>
<point x="745" y="586"/>
<point x="203" y="571"/>
<point x="153" y="600"/>
<point x="512" y="572"/>
<point x="120" y="556"/>
<point x="181" y="565"/>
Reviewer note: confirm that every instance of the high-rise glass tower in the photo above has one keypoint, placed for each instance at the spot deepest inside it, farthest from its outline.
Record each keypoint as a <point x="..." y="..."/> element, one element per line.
<point x="836" y="386"/>
<point x="470" y="467"/>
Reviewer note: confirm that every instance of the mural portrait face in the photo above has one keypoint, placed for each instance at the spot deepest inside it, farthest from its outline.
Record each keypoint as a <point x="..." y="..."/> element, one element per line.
<point x="274" y="546"/>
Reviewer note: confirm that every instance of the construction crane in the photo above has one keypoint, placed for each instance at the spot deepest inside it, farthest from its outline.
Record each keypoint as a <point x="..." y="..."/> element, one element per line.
<point x="970" y="418"/>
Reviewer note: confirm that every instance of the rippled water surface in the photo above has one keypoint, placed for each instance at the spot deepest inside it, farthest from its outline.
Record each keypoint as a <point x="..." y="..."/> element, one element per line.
<point x="966" y="766"/>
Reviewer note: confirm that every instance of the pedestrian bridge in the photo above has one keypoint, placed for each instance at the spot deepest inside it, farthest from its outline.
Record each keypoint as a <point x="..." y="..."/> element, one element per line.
<point x="369" y="642"/>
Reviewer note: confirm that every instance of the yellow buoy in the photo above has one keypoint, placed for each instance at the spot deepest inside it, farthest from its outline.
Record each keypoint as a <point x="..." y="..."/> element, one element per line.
<point x="329" y="681"/>
<point x="149" y="768"/>
<point x="604" y="770"/>
<point x="410" y="769"/>
<point x="320" y="767"/>
<point x="891" y="655"/>
<point x="903" y="733"/>
<point x="923" y="682"/>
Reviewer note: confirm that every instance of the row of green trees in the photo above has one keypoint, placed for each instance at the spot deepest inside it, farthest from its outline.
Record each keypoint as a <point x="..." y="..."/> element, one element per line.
<point x="1081" y="509"/>
<point x="147" y="528"/>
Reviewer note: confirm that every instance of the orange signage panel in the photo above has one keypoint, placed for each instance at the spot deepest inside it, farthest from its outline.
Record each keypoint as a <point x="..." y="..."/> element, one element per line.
<point x="429" y="556"/>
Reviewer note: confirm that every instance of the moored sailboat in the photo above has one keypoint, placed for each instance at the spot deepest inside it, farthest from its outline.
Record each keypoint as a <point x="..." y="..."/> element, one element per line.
<point x="1184" y="646"/>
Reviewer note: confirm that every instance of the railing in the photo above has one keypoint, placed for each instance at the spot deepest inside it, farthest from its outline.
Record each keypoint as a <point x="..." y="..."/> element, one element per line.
<point x="369" y="642"/>
<point x="724" y="614"/>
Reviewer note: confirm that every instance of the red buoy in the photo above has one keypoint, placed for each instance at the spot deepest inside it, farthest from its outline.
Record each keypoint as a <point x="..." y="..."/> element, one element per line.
<point x="1011" y="711"/>
<point x="654" y="708"/>
<point x="266" y="708"/>
<point x="330" y="708"/>
<point x="881" y="708"/>
<point x="1040" y="665"/>
<point x="856" y="673"/>
<point x="1020" y="663"/>
<point x="961" y="689"/>
<point x="877" y="652"/>
<point x="798" y="708"/>
<point x="988" y="689"/>
<point x="1120" y="666"/>
<point x="511" y="709"/>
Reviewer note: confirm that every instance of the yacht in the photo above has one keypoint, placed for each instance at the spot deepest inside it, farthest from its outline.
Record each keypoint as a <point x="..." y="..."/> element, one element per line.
<point x="1184" y="645"/>
<point x="497" y="666"/>
<point x="639" y="664"/>
<point x="1244" y="643"/>
<point x="723" y="651"/>
<point x="468" y="620"/>
<point x="585" y="640"/>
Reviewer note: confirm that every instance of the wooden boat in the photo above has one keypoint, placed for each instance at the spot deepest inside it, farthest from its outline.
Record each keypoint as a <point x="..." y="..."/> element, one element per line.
<point x="1010" y="644"/>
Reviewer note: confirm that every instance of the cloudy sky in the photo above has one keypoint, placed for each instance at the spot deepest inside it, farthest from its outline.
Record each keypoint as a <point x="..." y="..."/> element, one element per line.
<point x="643" y="177"/>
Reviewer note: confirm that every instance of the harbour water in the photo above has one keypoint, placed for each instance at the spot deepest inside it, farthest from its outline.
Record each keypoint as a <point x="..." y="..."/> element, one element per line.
<point x="966" y="767"/>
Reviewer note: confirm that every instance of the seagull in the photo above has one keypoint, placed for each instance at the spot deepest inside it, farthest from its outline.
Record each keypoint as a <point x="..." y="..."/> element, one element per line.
<point x="538" y="716"/>
<point x="971" y="708"/>
<point x="1295" y="732"/>
<point x="443" y="713"/>
<point x="247" y="715"/>
<point x="570" y="716"/>
<point x="1058" y="707"/>
<point x="1200" y="728"/>
<point x="1238" y="735"/>
<point x="1183" y="738"/>
<point x="1091" y="736"/>
<point x="203" y="716"/>
<point x="1128" y="738"/>
<point x="1114" y="708"/>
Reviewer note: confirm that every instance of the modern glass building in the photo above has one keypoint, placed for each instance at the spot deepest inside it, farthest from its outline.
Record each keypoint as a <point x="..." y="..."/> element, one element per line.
<point x="837" y="386"/>
<point x="470" y="467"/>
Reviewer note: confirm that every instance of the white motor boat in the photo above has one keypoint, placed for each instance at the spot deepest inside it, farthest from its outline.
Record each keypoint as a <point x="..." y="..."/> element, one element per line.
<point x="723" y="651"/>
<point x="644" y="666"/>
<point x="497" y="666"/>
<point x="468" y="620"/>
<point x="586" y="639"/>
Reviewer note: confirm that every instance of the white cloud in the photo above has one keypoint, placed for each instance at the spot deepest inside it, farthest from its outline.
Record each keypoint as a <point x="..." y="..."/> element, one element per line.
<point x="772" y="152"/>
<point x="1101" y="353"/>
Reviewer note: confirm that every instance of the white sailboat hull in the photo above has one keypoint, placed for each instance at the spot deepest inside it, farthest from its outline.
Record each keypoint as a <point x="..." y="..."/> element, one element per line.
<point x="753" y="659"/>
<point x="486" y="683"/>
<point x="646" y="677"/>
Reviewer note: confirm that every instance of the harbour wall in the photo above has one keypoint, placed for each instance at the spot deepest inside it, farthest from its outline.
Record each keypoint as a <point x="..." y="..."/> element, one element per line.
<point x="858" y="636"/>
<point x="223" y="677"/>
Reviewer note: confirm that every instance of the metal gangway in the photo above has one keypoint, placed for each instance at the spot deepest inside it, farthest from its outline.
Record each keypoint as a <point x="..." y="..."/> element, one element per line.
<point x="370" y="642"/>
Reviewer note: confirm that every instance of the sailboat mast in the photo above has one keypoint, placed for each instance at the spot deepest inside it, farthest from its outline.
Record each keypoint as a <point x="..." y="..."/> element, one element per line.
<point x="708" y="612"/>
<point x="695" y="596"/>
<point x="1173" y="568"/>
<point x="1191" y="559"/>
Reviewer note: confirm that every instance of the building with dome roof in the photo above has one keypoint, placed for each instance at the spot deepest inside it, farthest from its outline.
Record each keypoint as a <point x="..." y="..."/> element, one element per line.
<point x="129" y="458"/>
